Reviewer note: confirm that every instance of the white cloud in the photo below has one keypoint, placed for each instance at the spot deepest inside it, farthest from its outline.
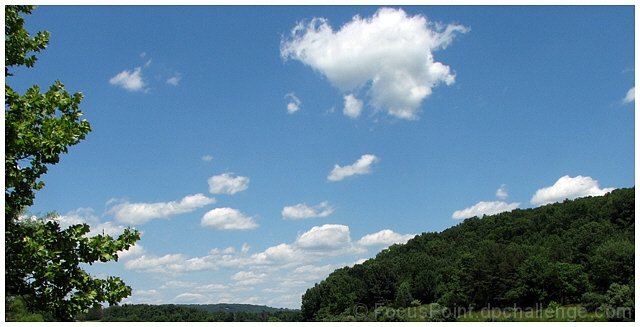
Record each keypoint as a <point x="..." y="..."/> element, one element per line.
<point x="360" y="167"/>
<point x="166" y="263"/>
<point x="390" y="53"/>
<point x="78" y="216"/>
<point x="135" y="251"/>
<point x="384" y="237"/>
<point x="502" y="192"/>
<point x="485" y="208"/>
<point x="293" y="103"/>
<point x="87" y="216"/>
<point x="212" y="288"/>
<point x="314" y="245"/>
<point x="228" y="184"/>
<point x="631" y="96"/>
<point x="352" y="106"/>
<point x="245" y="248"/>
<point x="280" y="274"/>
<point x="140" y="213"/>
<point x="177" y="284"/>
<point x="245" y="278"/>
<point x="569" y="188"/>
<point x="303" y="211"/>
<point x="311" y="272"/>
<point x="282" y="254"/>
<point x="189" y="298"/>
<point x="144" y="296"/>
<point x="207" y="157"/>
<point x="329" y="236"/>
<point x="228" y="218"/>
<point x="174" y="80"/>
<point x="129" y="80"/>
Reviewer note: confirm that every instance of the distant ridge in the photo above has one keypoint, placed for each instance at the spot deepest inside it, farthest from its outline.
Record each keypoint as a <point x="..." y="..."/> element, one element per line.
<point x="221" y="312"/>
<point x="235" y="307"/>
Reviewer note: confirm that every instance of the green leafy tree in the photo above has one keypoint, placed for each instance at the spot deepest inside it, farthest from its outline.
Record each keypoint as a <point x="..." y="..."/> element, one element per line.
<point x="403" y="295"/>
<point x="568" y="282"/>
<point x="17" y="311"/>
<point x="619" y="302"/>
<point x="42" y="261"/>
<point x="613" y="261"/>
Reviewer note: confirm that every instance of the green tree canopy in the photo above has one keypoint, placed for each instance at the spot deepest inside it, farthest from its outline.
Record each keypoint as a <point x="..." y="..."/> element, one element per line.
<point x="580" y="250"/>
<point x="41" y="259"/>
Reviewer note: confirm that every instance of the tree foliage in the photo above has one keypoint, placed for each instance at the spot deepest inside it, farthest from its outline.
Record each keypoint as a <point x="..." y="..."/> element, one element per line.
<point x="563" y="253"/>
<point x="42" y="261"/>
<point x="38" y="127"/>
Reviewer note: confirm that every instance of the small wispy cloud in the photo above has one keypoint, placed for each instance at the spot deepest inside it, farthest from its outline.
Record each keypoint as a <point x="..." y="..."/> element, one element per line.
<point x="631" y="96"/>
<point x="207" y="158"/>
<point x="352" y="106"/>
<point x="130" y="80"/>
<point x="293" y="103"/>
<point x="141" y="212"/>
<point x="502" y="192"/>
<point x="174" y="80"/>
<point x="228" y="183"/>
<point x="303" y="211"/>
<point x="360" y="167"/>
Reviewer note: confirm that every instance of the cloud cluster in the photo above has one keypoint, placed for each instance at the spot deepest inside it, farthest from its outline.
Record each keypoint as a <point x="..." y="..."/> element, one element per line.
<point x="360" y="167"/>
<point x="140" y="213"/>
<point x="303" y="211"/>
<point x="228" y="183"/>
<point x="389" y="53"/>
<point x="134" y="80"/>
<point x="280" y="274"/>
<point x="569" y="188"/>
<point x="228" y="219"/>
<point x="314" y="245"/>
<point x="565" y="187"/>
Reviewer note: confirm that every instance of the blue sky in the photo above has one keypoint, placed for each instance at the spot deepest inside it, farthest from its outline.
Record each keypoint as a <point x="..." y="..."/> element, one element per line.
<point x="259" y="148"/>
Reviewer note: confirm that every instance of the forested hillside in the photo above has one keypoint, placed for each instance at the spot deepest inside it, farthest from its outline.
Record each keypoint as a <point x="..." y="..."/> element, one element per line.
<point x="575" y="252"/>
<point x="196" y="313"/>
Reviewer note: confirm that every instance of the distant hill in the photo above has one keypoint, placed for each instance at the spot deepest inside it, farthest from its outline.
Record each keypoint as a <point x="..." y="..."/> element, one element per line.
<point x="223" y="312"/>
<point x="575" y="252"/>
<point x="234" y="307"/>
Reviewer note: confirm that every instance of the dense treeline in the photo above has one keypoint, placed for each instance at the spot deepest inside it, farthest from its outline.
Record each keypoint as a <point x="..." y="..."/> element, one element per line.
<point x="234" y="307"/>
<point x="193" y="313"/>
<point x="579" y="251"/>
